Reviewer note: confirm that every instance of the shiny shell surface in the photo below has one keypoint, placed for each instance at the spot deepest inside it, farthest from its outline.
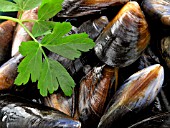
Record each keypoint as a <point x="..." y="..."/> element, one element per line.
<point x="158" y="9"/>
<point x="74" y="8"/>
<point x="165" y="50"/>
<point x="139" y="90"/>
<point x="124" y="38"/>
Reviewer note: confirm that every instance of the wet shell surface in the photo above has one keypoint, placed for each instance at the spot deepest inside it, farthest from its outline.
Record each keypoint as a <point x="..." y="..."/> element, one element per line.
<point x="8" y="72"/>
<point x="6" y="35"/>
<point x="158" y="9"/>
<point x="165" y="50"/>
<point x="93" y="27"/>
<point x="17" y="112"/>
<point x="124" y="38"/>
<point x="139" y="90"/>
<point x="93" y="92"/>
<point x="74" y="8"/>
<point x="62" y="103"/>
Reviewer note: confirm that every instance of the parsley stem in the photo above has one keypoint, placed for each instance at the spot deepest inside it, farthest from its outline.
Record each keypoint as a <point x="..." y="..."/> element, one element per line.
<point x="27" y="20"/>
<point x="9" y="18"/>
<point x="20" y="22"/>
<point x="43" y="51"/>
<point x="25" y="28"/>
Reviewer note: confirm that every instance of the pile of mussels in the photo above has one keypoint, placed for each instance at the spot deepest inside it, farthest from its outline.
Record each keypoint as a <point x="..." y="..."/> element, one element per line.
<point x="132" y="36"/>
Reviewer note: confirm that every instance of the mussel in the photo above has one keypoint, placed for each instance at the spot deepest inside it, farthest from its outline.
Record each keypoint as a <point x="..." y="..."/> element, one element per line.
<point x="74" y="8"/>
<point x="124" y="38"/>
<point x="16" y="112"/>
<point x="161" y="120"/>
<point x="165" y="50"/>
<point x="139" y="90"/>
<point x="8" y="72"/>
<point x="94" y="27"/>
<point x="94" y="89"/>
<point x="62" y="103"/>
<point x="158" y="9"/>
<point x="6" y="35"/>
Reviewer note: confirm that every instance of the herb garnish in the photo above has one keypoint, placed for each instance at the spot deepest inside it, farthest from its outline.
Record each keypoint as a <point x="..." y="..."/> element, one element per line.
<point x="36" y="66"/>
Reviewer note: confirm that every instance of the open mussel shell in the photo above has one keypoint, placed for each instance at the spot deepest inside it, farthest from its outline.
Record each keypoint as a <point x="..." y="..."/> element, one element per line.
<point x="165" y="50"/>
<point x="16" y="112"/>
<point x="124" y="38"/>
<point x="139" y="91"/>
<point x="74" y="8"/>
<point x="158" y="9"/>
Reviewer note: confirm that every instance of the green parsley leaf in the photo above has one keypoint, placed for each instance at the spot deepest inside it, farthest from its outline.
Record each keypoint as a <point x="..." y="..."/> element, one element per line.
<point x="27" y="4"/>
<point x="42" y="27"/>
<point x="67" y="46"/>
<point x="52" y="75"/>
<point x="49" y="8"/>
<point x="31" y="64"/>
<point x="35" y="65"/>
<point x="7" y="6"/>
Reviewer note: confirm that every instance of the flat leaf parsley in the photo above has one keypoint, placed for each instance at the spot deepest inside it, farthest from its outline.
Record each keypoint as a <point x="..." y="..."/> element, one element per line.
<point x="36" y="66"/>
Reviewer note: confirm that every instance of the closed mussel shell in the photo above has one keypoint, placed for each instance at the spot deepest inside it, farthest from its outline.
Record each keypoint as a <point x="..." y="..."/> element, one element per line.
<point x="158" y="9"/>
<point x="139" y="90"/>
<point x="124" y="38"/>
<point x="93" y="92"/>
<point x="6" y="35"/>
<point x="17" y="112"/>
<point x="93" y="27"/>
<point x="74" y="8"/>
<point x="62" y="103"/>
<point x="8" y="72"/>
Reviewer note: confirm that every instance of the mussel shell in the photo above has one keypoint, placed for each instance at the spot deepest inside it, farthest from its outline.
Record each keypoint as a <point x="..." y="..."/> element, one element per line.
<point x="8" y="72"/>
<point x="6" y="35"/>
<point x="62" y="103"/>
<point x="165" y="50"/>
<point x="93" y="27"/>
<point x="16" y="112"/>
<point x="124" y="38"/>
<point x="74" y="8"/>
<point x="161" y="120"/>
<point x="158" y="9"/>
<point x="139" y="91"/>
<point x="93" y="92"/>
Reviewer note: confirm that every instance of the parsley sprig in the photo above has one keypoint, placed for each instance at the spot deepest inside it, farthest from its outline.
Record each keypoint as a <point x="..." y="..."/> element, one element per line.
<point x="36" y="66"/>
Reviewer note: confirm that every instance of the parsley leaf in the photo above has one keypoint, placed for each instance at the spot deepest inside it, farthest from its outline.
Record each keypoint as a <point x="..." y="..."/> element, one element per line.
<point x="27" y="4"/>
<point x="50" y="73"/>
<point x="18" y="5"/>
<point x="67" y="46"/>
<point x="31" y="64"/>
<point x="7" y="6"/>
<point x="35" y="65"/>
<point x="49" y="8"/>
<point x="42" y="28"/>
<point x="54" y="74"/>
